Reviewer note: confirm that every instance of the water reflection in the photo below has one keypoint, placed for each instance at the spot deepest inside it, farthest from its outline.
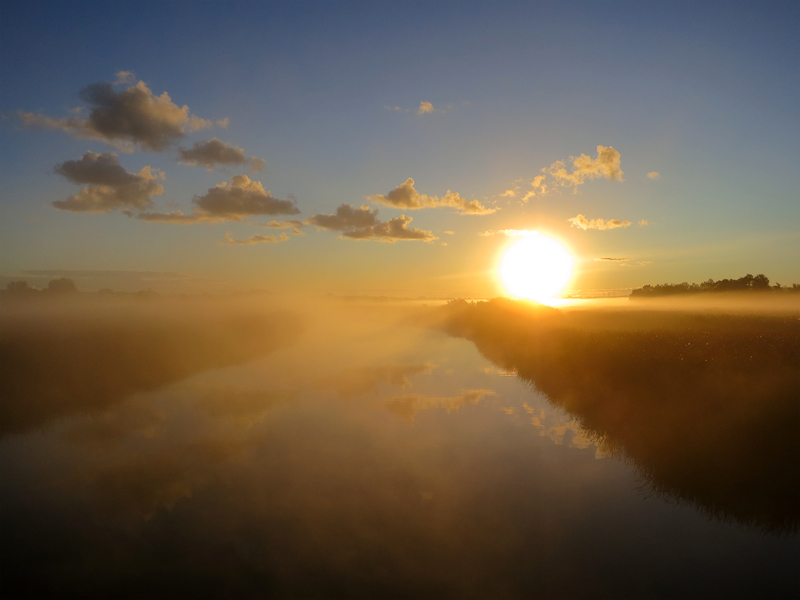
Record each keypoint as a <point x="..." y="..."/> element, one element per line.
<point x="56" y="361"/>
<point x="368" y="458"/>
<point x="705" y="405"/>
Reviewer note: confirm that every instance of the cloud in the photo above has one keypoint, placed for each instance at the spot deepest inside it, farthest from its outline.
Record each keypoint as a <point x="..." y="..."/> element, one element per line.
<point x="125" y="77"/>
<point x="581" y="222"/>
<point x="405" y="196"/>
<point x="215" y="152"/>
<point x="293" y="224"/>
<point x="644" y="223"/>
<point x="425" y="108"/>
<point x="509" y="232"/>
<point x="363" y="224"/>
<point x="391" y="231"/>
<point x="241" y="198"/>
<point x="128" y="119"/>
<point x="654" y="175"/>
<point x="346" y="217"/>
<point x="177" y="216"/>
<point x="110" y="186"/>
<point x="448" y="232"/>
<point x="605" y="165"/>
<point x="609" y="258"/>
<point x="255" y="239"/>
<point x="233" y="201"/>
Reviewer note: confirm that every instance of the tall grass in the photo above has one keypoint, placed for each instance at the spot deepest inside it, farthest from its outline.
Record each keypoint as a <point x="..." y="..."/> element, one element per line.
<point x="707" y="406"/>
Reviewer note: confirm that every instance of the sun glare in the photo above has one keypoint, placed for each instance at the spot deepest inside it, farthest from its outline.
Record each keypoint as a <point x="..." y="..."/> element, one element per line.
<point x="536" y="268"/>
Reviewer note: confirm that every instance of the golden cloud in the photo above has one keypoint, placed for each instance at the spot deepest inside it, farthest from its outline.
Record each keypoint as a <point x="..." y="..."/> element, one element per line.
<point x="406" y="196"/>
<point x="581" y="222"/>
<point x="255" y="239"/>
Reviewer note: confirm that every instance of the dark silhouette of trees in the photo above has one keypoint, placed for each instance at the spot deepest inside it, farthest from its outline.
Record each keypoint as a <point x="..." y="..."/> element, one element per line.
<point x="748" y="283"/>
<point x="20" y="287"/>
<point x="62" y="286"/>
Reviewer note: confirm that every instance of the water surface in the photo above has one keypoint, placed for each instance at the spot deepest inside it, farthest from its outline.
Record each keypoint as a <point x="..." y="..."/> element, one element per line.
<point x="355" y="455"/>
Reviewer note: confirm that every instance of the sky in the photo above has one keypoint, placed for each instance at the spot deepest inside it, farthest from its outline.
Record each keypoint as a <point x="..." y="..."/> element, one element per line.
<point x="393" y="148"/>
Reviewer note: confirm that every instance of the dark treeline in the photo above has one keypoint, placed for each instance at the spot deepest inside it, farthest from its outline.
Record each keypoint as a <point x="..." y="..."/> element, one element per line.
<point x="705" y="405"/>
<point x="748" y="283"/>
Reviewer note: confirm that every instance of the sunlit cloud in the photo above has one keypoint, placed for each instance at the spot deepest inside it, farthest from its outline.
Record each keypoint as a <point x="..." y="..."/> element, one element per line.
<point x="214" y="152"/>
<point x="110" y="187"/>
<point x="425" y="108"/>
<point x="242" y="197"/>
<point x="654" y="175"/>
<point x="448" y="232"/>
<point x="611" y="259"/>
<point x="255" y="239"/>
<point x="125" y="77"/>
<point x="407" y="197"/>
<point x="363" y="224"/>
<point x="294" y="224"/>
<point x="508" y="232"/>
<point x="128" y="119"/>
<point x="606" y="165"/>
<point x="234" y="201"/>
<point x="176" y="216"/>
<point x="510" y="193"/>
<point x="644" y="222"/>
<point x="581" y="222"/>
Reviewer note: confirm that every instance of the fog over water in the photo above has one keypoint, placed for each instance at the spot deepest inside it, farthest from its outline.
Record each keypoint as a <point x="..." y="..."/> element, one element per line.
<point x="271" y="447"/>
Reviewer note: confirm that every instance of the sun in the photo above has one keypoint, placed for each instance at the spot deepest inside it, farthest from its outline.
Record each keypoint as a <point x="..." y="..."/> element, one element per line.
<point x="536" y="268"/>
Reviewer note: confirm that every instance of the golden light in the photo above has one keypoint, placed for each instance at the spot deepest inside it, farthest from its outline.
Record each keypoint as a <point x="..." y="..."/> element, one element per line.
<point x="536" y="268"/>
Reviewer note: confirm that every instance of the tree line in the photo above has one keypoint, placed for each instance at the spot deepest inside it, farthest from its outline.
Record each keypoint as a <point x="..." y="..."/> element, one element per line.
<point x="748" y="283"/>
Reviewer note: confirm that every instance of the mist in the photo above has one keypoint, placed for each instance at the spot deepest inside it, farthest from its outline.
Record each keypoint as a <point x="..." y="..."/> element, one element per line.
<point x="201" y="446"/>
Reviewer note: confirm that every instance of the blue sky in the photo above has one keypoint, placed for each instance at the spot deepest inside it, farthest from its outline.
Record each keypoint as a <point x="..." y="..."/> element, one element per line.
<point x="705" y="94"/>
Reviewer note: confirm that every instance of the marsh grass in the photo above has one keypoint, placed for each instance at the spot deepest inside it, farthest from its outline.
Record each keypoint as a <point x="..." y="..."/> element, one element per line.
<point x="706" y="405"/>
